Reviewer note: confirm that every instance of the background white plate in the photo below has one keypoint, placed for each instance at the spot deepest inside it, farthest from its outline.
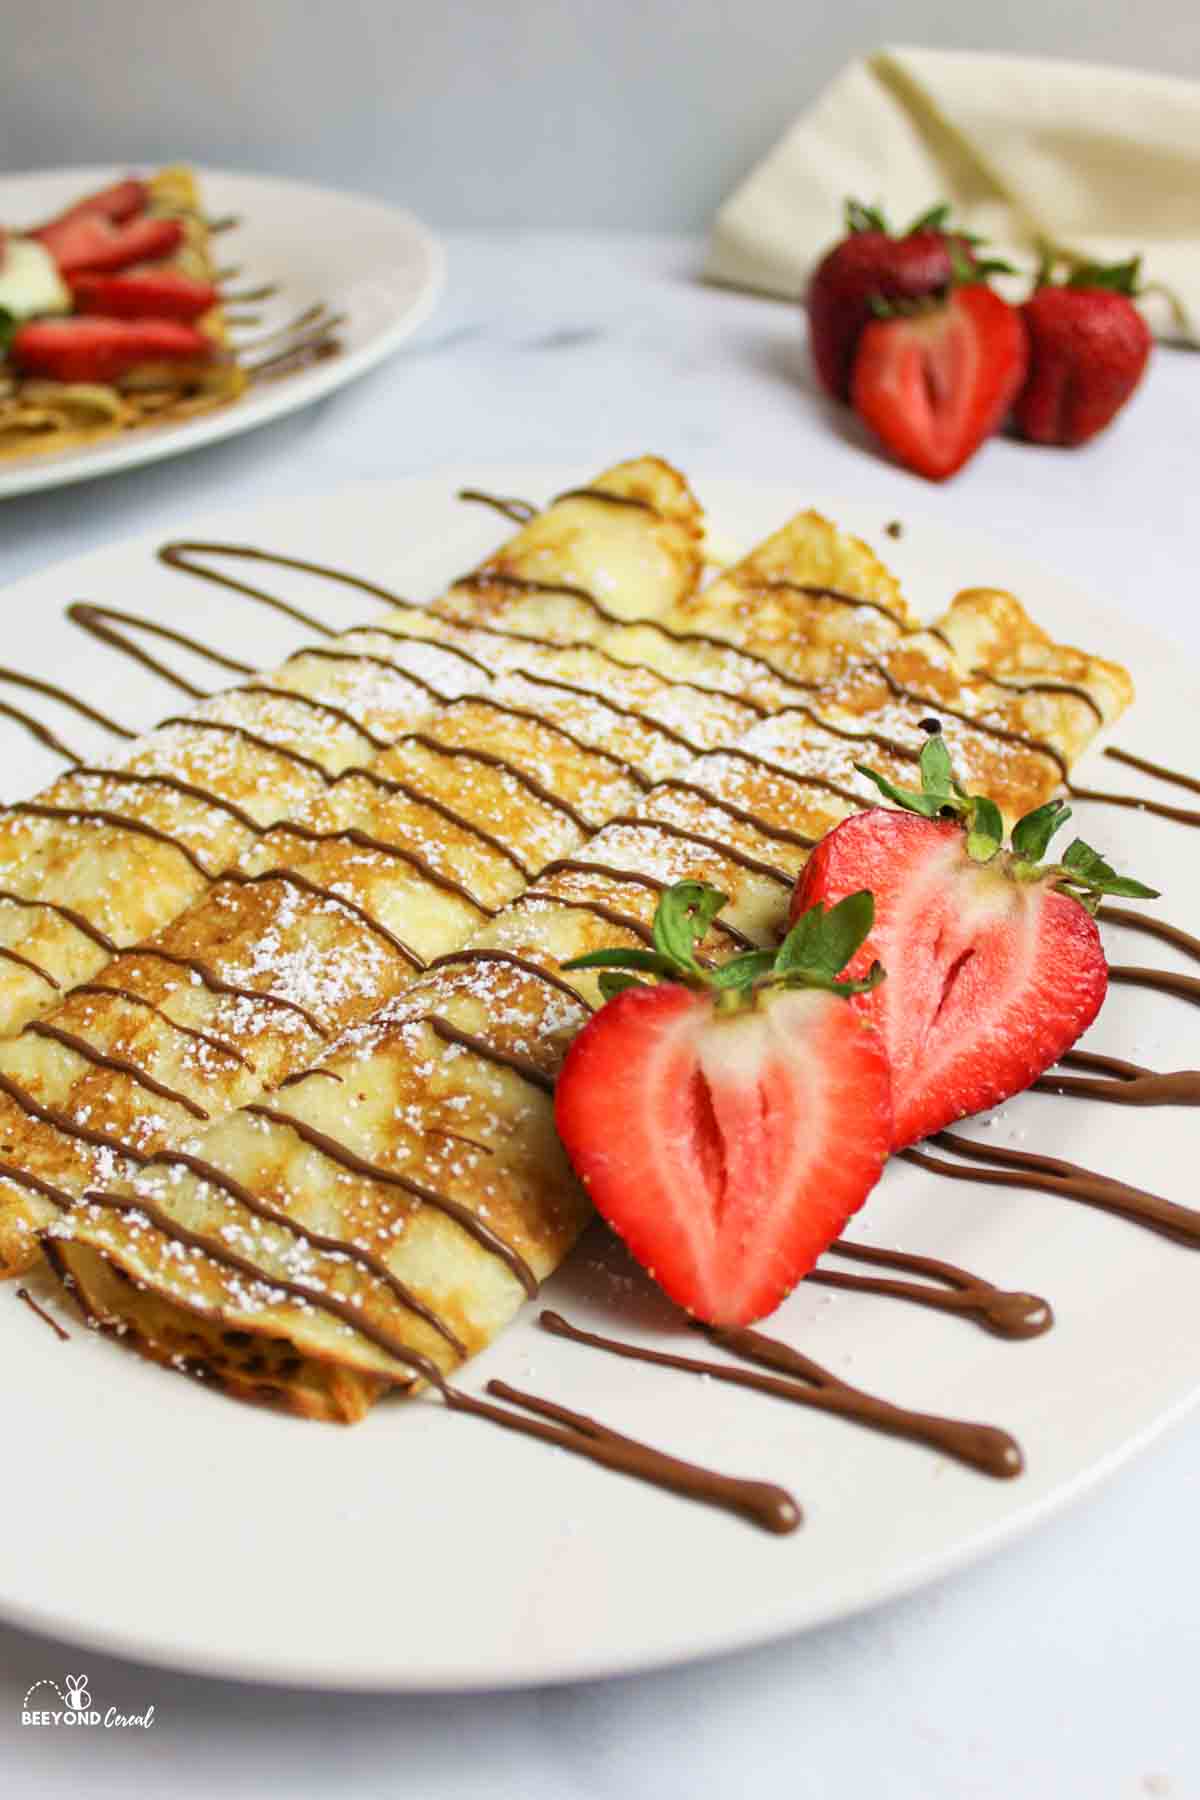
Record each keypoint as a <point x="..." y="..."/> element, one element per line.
<point x="378" y="265"/>
<point x="421" y="1550"/>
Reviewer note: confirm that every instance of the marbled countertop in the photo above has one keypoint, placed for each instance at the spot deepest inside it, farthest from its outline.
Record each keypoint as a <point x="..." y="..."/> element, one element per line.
<point x="1063" y="1667"/>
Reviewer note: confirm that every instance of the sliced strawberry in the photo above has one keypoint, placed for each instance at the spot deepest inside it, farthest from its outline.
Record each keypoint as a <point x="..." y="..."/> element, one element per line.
<point x="79" y="349"/>
<point x="93" y="240"/>
<point x="727" y="1128"/>
<point x="995" y="965"/>
<point x="152" y="293"/>
<point x="870" y="265"/>
<point x="934" y="384"/>
<point x="119" y="202"/>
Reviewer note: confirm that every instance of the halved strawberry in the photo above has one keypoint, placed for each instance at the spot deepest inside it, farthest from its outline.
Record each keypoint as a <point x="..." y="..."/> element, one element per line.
<point x="151" y="293"/>
<point x="109" y="230"/>
<point x="935" y="383"/>
<point x="79" y="349"/>
<point x="727" y="1123"/>
<point x="995" y="965"/>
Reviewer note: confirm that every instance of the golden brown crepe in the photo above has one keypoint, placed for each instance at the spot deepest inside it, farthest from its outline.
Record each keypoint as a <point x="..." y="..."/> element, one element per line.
<point x="377" y="1221"/>
<point x="376" y="872"/>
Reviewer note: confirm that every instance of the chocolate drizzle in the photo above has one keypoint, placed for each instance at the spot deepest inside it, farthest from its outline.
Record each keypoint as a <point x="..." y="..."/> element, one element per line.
<point x="467" y="956"/>
<point x="1180" y="814"/>
<point x="982" y="1447"/>
<point x="524" y="1066"/>
<point x="1162" y="981"/>
<point x="1052" y="1175"/>
<point x="100" y="622"/>
<point x="1005" y="1313"/>
<point x="1121" y="1083"/>
<point x="42" y="733"/>
<point x="519" y="511"/>
<point x="24" y="1294"/>
<point x="1152" y="927"/>
<point x="100" y="815"/>
<point x="770" y="1507"/>
<point x="118" y="1065"/>
<point x="462" y="1215"/>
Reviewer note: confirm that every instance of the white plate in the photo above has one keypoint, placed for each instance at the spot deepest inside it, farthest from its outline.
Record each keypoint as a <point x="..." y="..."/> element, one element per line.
<point x="422" y="1550"/>
<point x="376" y="264"/>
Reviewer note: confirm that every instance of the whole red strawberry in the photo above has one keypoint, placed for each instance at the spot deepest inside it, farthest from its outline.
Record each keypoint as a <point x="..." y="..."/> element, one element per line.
<point x="1089" y="346"/>
<point x="727" y="1122"/>
<point x="995" y="965"/>
<point x="870" y="267"/>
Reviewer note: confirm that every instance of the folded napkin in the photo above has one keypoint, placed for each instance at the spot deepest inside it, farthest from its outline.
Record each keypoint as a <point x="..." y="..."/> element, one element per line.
<point x="1098" y="162"/>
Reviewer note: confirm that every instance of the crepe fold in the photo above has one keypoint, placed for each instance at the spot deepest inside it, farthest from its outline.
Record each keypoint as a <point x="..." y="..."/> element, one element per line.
<point x="381" y="1218"/>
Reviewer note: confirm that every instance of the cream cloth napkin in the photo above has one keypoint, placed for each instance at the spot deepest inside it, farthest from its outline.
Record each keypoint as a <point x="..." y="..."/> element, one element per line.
<point x="1100" y="162"/>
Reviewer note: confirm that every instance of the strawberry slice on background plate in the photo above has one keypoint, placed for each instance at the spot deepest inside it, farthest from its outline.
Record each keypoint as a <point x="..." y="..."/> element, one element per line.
<point x="995" y="964"/>
<point x="934" y="383"/>
<point x="727" y="1122"/>
<point x="109" y="230"/>
<point x="102" y="350"/>
<point x="151" y="293"/>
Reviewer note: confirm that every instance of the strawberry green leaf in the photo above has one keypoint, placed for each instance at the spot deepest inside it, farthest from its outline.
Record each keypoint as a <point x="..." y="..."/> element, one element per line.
<point x="1088" y="868"/>
<point x="8" y="327"/>
<point x="1116" y="278"/>
<point x="651" y="961"/>
<point x="1031" y="835"/>
<point x="985" y="830"/>
<point x="865" y="218"/>
<point x="743" y="971"/>
<point x="926" y="804"/>
<point x="681" y="920"/>
<point x="821" y="943"/>
<point x="936" y="219"/>
<point x="612" y="984"/>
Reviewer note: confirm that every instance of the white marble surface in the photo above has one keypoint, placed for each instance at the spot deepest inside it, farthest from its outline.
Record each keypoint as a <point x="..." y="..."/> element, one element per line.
<point x="1063" y="1668"/>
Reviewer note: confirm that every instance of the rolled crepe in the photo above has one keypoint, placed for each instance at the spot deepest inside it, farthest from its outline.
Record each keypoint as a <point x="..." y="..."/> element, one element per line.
<point x="324" y="916"/>
<point x="381" y="1219"/>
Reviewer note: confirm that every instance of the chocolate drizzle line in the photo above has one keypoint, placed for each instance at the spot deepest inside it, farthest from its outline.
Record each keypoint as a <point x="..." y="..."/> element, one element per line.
<point x="836" y="596"/>
<point x="598" y="493"/>
<point x="763" y="1504"/>
<point x="136" y="778"/>
<point x="293" y="879"/>
<point x="389" y="784"/>
<point x="81" y="923"/>
<point x="780" y="833"/>
<point x="35" y="685"/>
<point x="98" y="622"/>
<point x="623" y="712"/>
<point x="1006" y="1314"/>
<point x="180" y="555"/>
<point x="27" y="962"/>
<point x="119" y="1065"/>
<point x="511" y="958"/>
<point x="754" y="864"/>
<point x="982" y="1447"/>
<point x="524" y="1066"/>
<point x="1121" y="1083"/>
<point x="216" y="984"/>
<point x="341" y="1153"/>
<point x="521" y="512"/>
<point x="325" y="708"/>
<point x="42" y="734"/>
<point x="623" y="921"/>
<point x="100" y="815"/>
<point x="221" y="1045"/>
<point x="1157" y="928"/>
<point x="1050" y="1175"/>
<point x="489" y="759"/>
<point x="221" y="1253"/>
<point x="1191" y="782"/>
<point x="193" y="723"/>
<point x="638" y="776"/>
<point x="576" y="865"/>
<point x="1162" y="981"/>
<point x="382" y="847"/>
<point x="1181" y="815"/>
<point x="350" y="1251"/>
<point x="24" y="1294"/>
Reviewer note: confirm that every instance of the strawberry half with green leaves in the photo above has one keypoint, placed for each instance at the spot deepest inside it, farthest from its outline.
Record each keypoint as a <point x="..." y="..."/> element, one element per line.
<point x="934" y="383"/>
<point x="995" y="965"/>
<point x="1089" y="346"/>
<point x="727" y="1122"/>
<point x="871" y="266"/>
